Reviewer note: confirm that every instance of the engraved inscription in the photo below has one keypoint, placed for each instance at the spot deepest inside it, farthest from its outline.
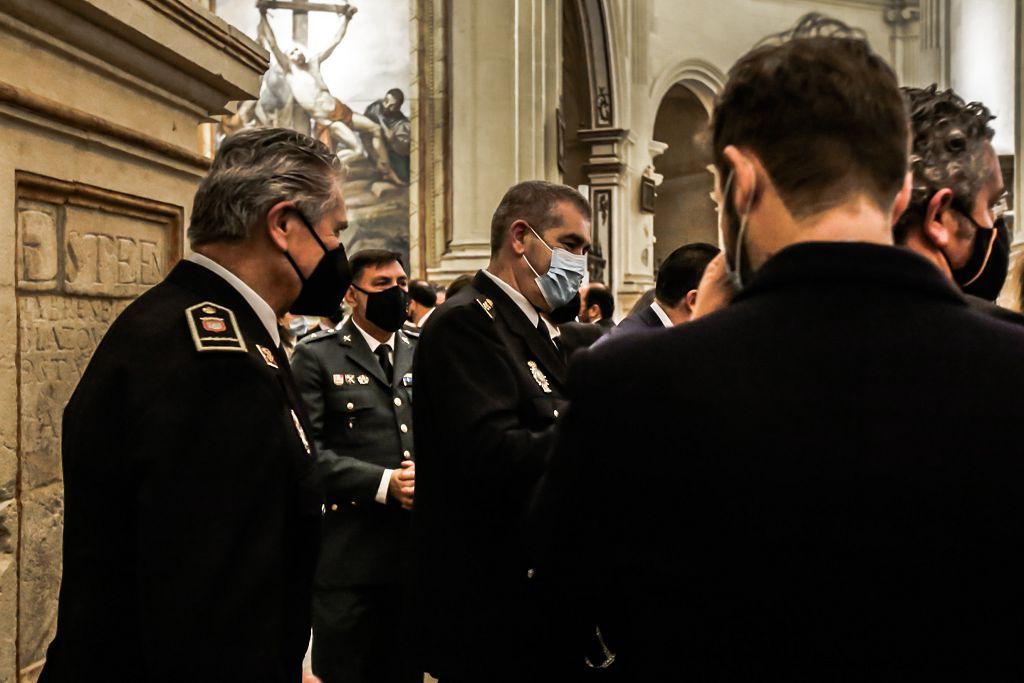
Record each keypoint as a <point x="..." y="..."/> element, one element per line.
<point x="110" y="255"/>
<point x="58" y="335"/>
<point x="38" y="256"/>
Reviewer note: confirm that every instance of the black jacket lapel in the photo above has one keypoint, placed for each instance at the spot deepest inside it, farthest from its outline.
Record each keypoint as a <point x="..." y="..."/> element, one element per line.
<point x="403" y="357"/>
<point x="517" y="322"/>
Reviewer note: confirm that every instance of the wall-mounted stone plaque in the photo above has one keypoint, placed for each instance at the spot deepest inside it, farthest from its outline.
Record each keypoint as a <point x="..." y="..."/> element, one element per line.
<point x="82" y="255"/>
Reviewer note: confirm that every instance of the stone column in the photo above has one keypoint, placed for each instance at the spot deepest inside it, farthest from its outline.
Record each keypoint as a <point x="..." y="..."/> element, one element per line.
<point x="504" y="67"/>
<point x="99" y="104"/>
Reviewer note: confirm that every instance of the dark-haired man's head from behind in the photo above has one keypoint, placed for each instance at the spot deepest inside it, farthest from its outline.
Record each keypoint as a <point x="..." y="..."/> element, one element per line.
<point x="675" y="290"/>
<point x="422" y="300"/>
<point x="810" y="127"/>
<point x="596" y="303"/>
<point x="957" y="195"/>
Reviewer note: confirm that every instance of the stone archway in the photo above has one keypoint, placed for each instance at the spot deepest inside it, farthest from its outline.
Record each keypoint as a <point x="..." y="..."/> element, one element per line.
<point x="685" y="211"/>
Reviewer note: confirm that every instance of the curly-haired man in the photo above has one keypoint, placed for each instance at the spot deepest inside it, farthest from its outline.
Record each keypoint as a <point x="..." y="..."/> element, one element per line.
<point x="955" y="214"/>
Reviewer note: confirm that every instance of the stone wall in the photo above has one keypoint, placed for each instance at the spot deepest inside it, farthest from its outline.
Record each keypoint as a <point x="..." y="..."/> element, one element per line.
<point x="99" y="104"/>
<point x="82" y="254"/>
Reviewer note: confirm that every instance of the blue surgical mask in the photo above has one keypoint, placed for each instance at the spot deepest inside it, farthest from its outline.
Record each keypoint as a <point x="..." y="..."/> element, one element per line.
<point x="565" y="275"/>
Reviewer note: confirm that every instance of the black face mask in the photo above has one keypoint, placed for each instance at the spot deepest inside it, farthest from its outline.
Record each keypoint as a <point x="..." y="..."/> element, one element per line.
<point x="388" y="309"/>
<point x="566" y="312"/>
<point x="323" y="290"/>
<point x="985" y="271"/>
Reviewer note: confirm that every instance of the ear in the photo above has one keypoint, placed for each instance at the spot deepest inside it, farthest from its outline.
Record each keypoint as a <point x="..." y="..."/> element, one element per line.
<point x="350" y="297"/>
<point x="517" y="236"/>
<point x="903" y="198"/>
<point x="934" y="227"/>
<point x="691" y="299"/>
<point x="593" y="311"/>
<point x="278" y="219"/>
<point x="745" y="188"/>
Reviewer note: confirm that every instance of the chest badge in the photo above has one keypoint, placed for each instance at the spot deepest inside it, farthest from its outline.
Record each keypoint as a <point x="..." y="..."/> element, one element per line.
<point x="350" y="379"/>
<point x="339" y="379"/>
<point x="268" y="355"/>
<point x="539" y="377"/>
<point x="407" y="379"/>
<point x="363" y="379"/>
<point x="302" y="433"/>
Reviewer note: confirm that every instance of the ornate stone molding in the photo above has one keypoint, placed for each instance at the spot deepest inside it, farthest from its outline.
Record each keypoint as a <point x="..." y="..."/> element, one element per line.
<point x="75" y="118"/>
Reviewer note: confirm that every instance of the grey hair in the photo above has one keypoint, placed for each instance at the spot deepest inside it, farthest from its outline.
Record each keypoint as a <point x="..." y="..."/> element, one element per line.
<point x="533" y="201"/>
<point x="950" y="148"/>
<point x="255" y="169"/>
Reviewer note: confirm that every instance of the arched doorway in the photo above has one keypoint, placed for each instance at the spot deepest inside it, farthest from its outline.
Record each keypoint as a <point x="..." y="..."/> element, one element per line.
<point x="685" y="211"/>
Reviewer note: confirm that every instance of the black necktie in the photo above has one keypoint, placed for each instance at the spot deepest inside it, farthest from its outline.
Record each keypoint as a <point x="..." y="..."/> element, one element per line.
<point x="545" y="334"/>
<point x="385" y="362"/>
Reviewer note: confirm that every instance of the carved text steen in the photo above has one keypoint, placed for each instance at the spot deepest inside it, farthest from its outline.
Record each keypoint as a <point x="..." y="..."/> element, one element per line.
<point x="38" y="250"/>
<point x="110" y="255"/>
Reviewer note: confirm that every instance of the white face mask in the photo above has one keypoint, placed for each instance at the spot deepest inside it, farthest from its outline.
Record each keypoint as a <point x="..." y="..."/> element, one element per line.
<point x="732" y="266"/>
<point x="565" y="274"/>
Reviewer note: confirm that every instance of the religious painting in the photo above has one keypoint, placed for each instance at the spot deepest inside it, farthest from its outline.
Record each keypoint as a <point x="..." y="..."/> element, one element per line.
<point x="341" y="72"/>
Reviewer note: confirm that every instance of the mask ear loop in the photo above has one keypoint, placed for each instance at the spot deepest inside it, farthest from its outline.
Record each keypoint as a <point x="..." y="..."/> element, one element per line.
<point x="744" y="219"/>
<point x="993" y="231"/>
<point x="287" y="255"/>
<point x="527" y="258"/>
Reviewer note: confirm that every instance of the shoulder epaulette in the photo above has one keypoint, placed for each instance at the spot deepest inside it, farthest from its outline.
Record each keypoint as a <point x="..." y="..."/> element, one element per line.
<point x="317" y="336"/>
<point x="487" y="305"/>
<point x="214" y="328"/>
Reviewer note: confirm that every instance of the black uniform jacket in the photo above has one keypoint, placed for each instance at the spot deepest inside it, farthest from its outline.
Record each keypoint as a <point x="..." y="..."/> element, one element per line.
<point x="845" y="500"/>
<point x="643" y="321"/>
<point x="191" y="511"/>
<point x="489" y="390"/>
<point x="362" y="425"/>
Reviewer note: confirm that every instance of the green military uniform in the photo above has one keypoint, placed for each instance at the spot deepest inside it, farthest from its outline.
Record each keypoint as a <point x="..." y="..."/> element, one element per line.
<point x="361" y="421"/>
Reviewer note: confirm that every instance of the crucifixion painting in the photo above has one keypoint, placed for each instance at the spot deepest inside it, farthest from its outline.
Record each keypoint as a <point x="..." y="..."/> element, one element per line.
<point x="341" y="76"/>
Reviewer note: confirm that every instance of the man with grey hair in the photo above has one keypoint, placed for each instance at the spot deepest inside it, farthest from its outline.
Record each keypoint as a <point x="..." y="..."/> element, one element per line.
<point x="955" y="216"/>
<point x="192" y="508"/>
<point x="490" y="376"/>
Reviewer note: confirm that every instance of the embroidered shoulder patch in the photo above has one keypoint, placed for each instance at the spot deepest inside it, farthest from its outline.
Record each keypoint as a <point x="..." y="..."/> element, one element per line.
<point x="214" y="328"/>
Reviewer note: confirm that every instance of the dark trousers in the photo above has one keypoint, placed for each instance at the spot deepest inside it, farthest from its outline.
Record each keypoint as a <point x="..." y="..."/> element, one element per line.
<point x="358" y="636"/>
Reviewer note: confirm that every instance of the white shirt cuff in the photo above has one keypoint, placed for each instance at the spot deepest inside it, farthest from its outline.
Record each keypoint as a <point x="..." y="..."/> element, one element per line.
<point x="382" y="490"/>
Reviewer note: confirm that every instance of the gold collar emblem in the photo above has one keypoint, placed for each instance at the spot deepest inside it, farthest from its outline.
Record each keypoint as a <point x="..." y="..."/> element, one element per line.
<point x="539" y="377"/>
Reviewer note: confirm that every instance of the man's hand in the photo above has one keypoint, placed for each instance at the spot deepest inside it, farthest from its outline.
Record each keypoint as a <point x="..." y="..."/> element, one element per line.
<point x="715" y="290"/>
<point x="403" y="484"/>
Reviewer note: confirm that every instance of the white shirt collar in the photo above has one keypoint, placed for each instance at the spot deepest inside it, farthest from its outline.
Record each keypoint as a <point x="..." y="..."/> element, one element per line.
<point x="262" y="309"/>
<point x="373" y="343"/>
<point x="523" y="303"/>
<point x="660" y="312"/>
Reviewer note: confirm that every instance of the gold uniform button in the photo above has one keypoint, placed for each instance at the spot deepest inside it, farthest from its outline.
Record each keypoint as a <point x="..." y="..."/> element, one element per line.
<point x="398" y="402"/>
<point x="556" y="413"/>
<point x="529" y="573"/>
<point x="351" y="406"/>
<point x="355" y="504"/>
<point x="323" y="509"/>
<point x="404" y="428"/>
<point x="334" y="507"/>
<point x="406" y="454"/>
